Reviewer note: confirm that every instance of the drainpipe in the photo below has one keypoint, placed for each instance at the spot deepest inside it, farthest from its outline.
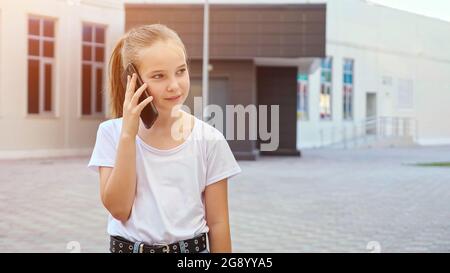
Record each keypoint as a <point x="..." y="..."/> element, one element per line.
<point x="205" y="58"/>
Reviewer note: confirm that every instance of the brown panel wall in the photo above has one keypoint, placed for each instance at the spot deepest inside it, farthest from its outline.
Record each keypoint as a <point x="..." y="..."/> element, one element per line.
<point x="241" y="90"/>
<point x="241" y="31"/>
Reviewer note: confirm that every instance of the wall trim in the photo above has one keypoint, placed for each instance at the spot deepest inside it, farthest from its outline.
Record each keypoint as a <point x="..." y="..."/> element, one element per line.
<point x="44" y="153"/>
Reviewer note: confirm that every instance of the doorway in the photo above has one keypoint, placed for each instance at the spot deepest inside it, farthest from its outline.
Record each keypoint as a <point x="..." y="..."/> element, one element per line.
<point x="371" y="113"/>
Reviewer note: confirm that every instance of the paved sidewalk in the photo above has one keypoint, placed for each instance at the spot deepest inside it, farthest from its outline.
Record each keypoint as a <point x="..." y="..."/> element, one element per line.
<point x="326" y="201"/>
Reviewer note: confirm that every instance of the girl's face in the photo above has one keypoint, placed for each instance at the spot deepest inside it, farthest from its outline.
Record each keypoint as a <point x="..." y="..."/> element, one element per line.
<point x="163" y="67"/>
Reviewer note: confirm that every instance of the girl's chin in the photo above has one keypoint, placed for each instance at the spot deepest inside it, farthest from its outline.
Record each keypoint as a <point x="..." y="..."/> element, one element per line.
<point x="168" y="107"/>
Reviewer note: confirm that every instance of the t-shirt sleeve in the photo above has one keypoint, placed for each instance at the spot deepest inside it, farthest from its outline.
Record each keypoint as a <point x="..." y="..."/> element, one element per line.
<point x="221" y="163"/>
<point x="104" y="152"/>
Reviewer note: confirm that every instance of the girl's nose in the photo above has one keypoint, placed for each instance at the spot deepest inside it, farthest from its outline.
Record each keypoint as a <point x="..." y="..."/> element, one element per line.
<point x="173" y="86"/>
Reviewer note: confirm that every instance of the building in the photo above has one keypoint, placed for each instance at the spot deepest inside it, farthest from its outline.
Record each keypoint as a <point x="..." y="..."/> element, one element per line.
<point x="386" y="68"/>
<point x="255" y="51"/>
<point x="53" y="56"/>
<point x="339" y="69"/>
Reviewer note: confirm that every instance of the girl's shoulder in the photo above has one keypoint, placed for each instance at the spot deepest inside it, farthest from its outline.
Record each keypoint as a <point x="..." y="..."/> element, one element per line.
<point x="111" y="126"/>
<point x="206" y="131"/>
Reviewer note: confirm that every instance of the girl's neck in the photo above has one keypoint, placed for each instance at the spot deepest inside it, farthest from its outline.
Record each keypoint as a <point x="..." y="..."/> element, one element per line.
<point x="165" y="120"/>
<point x="163" y="124"/>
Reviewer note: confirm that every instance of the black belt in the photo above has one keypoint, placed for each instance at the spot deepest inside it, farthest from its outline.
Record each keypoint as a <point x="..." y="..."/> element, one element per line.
<point x="121" y="245"/>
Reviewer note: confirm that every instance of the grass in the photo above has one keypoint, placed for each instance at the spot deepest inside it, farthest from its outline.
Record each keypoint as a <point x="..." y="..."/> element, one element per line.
<point x="434" y="164"/>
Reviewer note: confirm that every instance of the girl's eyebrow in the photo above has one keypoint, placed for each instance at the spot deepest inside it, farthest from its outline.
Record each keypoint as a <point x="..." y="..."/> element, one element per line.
<point x="164" y="70"/>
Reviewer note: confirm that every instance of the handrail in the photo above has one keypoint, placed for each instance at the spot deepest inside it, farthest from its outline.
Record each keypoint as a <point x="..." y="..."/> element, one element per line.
<point x="368" y="129"/>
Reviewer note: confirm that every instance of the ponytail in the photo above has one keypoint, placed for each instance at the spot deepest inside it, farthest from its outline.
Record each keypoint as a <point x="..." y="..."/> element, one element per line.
<point x="116" y="88"/>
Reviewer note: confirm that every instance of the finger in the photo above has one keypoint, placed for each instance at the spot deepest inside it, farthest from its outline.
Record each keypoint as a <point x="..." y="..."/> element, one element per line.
<point x="132" y="84"/>
<point x="127" y="90"/>
<point x="144" y="103"/>
<point x="137" y="94"/>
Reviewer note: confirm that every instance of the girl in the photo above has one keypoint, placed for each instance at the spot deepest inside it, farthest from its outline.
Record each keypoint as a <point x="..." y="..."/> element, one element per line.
<point x="164" y="193"/>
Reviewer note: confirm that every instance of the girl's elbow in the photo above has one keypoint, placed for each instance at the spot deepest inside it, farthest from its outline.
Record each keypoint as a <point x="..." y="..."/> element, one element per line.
<point x="120" y="214"/>
<point x="116" y="210"/>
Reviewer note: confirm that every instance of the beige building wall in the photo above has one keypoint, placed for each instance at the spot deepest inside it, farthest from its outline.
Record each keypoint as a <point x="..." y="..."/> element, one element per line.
<point x="66" y="132"/>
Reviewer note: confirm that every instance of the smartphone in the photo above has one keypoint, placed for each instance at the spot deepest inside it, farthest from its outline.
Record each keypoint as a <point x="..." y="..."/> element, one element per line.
<point x="149" y="113"/>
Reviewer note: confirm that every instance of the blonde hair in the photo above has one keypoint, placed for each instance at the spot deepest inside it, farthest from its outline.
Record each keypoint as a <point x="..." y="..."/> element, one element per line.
<point x="127" y="51"/>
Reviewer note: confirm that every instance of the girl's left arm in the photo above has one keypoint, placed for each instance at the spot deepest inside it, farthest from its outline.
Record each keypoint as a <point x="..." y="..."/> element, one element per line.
<point x="216" y="201"/>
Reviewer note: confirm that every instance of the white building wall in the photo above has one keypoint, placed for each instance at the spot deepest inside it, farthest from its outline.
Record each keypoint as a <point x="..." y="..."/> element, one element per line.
<point x="388" y="46"/>
<point x="67" y="132"/>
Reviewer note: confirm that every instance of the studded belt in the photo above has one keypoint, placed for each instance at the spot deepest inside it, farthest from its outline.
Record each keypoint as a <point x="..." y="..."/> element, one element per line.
<point x="121" y="245"/>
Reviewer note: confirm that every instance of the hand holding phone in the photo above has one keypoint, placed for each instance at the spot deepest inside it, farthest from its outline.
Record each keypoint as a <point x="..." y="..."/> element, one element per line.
<point x="149" y="113"/>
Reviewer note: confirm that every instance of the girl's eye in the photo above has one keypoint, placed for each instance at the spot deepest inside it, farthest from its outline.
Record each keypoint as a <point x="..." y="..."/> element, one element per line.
<point x="181" y="71"/>
<point x="157" y="76"/>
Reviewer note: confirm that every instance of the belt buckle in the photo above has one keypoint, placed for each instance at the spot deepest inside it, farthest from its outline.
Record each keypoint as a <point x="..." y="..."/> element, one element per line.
<point x="166" y="248"/>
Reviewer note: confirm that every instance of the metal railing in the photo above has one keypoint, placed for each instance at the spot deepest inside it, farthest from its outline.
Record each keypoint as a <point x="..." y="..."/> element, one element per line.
<point x="368" y="131"/>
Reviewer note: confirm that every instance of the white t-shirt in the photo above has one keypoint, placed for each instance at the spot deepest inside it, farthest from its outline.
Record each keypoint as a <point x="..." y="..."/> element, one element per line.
<point x="169" y="205"/>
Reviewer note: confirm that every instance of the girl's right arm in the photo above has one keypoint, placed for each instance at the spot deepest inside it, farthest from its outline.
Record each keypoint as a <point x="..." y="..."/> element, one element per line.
<point x="118" y="184"/>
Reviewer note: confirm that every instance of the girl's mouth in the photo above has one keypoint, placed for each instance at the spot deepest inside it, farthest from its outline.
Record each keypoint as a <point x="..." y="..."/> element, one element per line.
<point x="174" y="98"/>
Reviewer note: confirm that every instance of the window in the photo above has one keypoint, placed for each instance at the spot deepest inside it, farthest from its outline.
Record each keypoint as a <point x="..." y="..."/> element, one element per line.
<point x="93" y="63"/>
<point x="41" y="43"/>
<point x="302" y="97"/>
<point x="325" y="88"/>
<point x="405" y="94"/>
<point x="348" y="89"/>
